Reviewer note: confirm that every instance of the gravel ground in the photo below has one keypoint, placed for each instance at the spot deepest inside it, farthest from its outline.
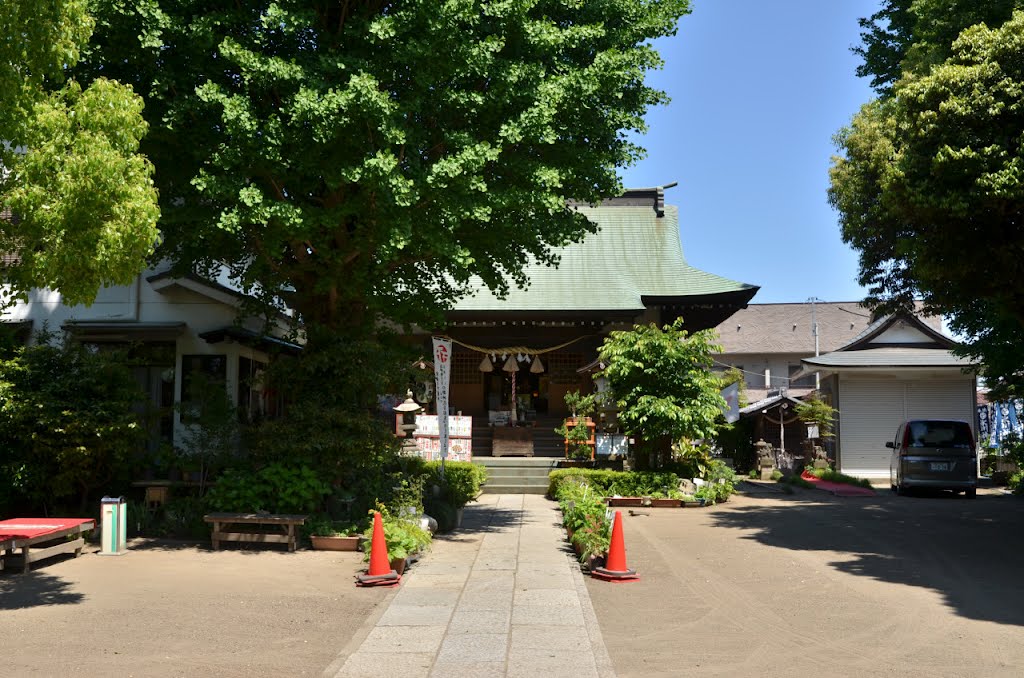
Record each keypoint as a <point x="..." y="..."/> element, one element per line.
<point x="167" y="609"/>
<point x="813" y="585"/>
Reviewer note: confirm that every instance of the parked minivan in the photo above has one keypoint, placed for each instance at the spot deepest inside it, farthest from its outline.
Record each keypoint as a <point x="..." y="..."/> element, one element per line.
<point x="934" y="453"/>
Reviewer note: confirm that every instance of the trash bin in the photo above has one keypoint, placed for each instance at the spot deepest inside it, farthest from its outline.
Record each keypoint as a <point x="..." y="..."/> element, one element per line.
<point x="114" y="514"/>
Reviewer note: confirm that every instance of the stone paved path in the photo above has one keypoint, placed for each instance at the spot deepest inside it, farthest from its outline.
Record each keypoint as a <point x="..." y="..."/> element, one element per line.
<point x="502" y="596"/>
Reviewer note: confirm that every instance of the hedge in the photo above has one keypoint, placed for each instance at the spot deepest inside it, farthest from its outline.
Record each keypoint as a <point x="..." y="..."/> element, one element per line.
<point x="607" y="483"/>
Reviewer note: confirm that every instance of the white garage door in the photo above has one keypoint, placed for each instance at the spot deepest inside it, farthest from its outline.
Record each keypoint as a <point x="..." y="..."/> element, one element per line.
<point x="870" y="410"/>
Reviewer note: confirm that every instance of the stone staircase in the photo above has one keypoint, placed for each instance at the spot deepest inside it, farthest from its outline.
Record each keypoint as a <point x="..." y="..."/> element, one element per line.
<point x="516" y="475"/>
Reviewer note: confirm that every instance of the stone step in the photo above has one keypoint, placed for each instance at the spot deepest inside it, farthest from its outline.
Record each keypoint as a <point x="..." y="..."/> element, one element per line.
<point x="504" y="476"/>
<point x="524" y="462"/>
<point x="516" y="472"/>
<point x="515" y="489"/>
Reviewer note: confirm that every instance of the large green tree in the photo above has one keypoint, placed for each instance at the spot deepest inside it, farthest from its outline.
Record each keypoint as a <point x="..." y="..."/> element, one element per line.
<point x="930" y="186"/>
<point x="664" y="389"/>
<point x="83" y="201"/>
<point x="359" y="160"/>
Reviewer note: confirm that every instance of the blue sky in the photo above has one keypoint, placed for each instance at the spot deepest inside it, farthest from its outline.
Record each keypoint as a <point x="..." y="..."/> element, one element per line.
<point x="758" y="89"/>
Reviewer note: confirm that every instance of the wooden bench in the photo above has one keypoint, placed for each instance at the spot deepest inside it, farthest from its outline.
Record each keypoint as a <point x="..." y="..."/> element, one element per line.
<point x="239" y="527"/>
<point x="39" y="538"/>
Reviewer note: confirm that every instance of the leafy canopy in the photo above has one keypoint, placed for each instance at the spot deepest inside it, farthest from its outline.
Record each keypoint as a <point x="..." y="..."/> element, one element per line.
<point x="367" y="159"/>
<point x="911" y="36"/>
<point x="930" y="189"/>
<point x="68" y="421"/>
<point x="662" y="382"/>
<point x="84" y="204"/>
<point x="814" y="410"/>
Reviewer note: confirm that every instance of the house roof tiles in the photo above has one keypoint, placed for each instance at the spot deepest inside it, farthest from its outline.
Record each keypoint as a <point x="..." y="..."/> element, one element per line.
<point x="788" y="328"/>
<point x="889" y="357"/>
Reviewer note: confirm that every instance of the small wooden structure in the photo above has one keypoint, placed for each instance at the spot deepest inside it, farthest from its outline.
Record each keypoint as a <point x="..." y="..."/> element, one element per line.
<point x="591" y="440"/>
<point x="40" y="538"/>
<point x="240" y="527"/>
<point x="512" y="440"/>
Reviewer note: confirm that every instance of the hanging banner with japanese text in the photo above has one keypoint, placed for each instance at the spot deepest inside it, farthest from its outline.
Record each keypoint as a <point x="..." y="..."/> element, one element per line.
<point x="442" y="376"/>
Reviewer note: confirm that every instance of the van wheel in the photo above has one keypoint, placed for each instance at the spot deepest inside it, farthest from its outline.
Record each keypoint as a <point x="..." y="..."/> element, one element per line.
<point x="971" y="493"/>
<point x="901" y="490"/>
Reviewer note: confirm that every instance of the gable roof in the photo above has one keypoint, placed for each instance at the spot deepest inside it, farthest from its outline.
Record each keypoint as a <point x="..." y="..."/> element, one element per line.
<point x="634" y="260"/>
<point x="901" y="340"/>
<point x="789" y="328"/>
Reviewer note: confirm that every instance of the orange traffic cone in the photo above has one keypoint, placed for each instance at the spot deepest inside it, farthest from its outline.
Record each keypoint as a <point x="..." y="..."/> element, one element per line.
<point x="380" y="572"/>
<point x="615" y="569"/>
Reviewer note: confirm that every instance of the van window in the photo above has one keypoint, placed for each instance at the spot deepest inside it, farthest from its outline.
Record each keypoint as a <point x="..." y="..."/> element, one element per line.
<point x="939" y="434"/>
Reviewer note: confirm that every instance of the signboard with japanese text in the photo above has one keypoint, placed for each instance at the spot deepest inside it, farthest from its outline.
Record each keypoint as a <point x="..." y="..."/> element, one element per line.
<point x="442" y="377"/>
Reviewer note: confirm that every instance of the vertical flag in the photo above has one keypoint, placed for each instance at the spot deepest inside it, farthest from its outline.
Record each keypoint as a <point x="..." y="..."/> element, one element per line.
<point x="442" y="375"/>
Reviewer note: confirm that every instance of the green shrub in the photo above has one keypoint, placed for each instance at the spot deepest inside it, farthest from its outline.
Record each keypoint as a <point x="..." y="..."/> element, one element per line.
<point x="462" y="481"/>
<point x="440" y="510"/>
<point x="593" y="537"/>
<point x="183" y="517"/>
<point x="1016" y="482"/>
<point x="795" y="480"/>
<point x="68" y="425"/>
<point x="404" y="537"/>
<point x="606" y="483"/>
<point x="585" y="517"/>
<point x="277" y="488"/>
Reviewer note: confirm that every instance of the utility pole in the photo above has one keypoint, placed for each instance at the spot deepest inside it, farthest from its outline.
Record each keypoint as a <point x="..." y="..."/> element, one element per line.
<point x="814" y="331"/>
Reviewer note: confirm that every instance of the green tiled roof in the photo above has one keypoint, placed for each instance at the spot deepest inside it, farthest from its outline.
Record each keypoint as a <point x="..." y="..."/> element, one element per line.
<point x="635" y="254"/>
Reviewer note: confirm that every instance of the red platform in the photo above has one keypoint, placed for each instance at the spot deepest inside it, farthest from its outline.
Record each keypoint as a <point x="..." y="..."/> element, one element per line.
<point x="39" y="538"/>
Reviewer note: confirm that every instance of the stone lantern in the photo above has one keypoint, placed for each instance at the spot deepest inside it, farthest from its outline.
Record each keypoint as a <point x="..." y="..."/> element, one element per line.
<point x="409" y="409"/>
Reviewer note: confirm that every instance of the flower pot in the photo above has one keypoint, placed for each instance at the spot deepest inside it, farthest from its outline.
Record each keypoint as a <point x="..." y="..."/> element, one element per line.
<point x="335" y="543"/>
<point x="575" y="463"/>
<point x="665" y="503"/>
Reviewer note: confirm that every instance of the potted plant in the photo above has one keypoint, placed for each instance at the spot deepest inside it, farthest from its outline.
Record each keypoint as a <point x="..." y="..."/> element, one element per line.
<point x="328" y="535"/>
<point x="706" y="494"/>
<point x="405" y="541"/>
<point x="577" y="431"/>
<point x="670" y="499"/>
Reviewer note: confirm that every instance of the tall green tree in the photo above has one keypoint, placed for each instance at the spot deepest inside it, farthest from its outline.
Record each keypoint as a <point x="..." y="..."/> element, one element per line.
<point x="83" y="201"/>
<point x="663" y="386"/>
<point x="911" y="36"/>
<point x="930" y="189"/>
<point x="364" y="160"/>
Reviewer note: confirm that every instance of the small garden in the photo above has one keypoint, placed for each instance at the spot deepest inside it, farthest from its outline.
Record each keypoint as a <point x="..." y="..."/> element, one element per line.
<point x="586" y="495"/>
<point x="74" y="431"/>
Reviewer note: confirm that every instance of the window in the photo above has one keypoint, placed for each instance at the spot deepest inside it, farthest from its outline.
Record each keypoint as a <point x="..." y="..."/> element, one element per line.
<point x="466" y="369"/>
<point x="199" y="372"/>
<point x="152" y="365"/>
<point x="562" y="367"/>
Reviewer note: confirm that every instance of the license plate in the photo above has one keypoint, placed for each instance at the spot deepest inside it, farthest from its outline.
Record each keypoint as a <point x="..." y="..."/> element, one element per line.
<point x="939" y="466"/>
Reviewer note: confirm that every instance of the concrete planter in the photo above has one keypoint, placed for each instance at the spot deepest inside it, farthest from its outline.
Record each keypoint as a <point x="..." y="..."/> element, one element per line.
<point x="335" y="543"/>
